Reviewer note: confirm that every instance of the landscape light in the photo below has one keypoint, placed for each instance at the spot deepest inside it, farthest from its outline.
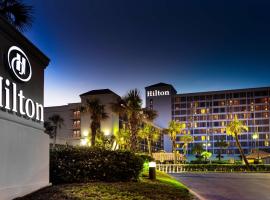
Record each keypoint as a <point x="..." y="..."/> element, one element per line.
<point x="152" y="164"/>
<point x="152" y="170"/>
<point x="85" y="133"/>
<point x="107" y="132"/>
<point x="83" y="142"/>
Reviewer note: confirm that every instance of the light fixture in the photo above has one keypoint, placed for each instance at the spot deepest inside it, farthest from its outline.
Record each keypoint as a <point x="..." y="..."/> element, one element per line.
<point x="85" y="133"/>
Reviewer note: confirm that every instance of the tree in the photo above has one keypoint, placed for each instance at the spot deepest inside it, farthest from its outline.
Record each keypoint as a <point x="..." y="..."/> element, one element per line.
<point x="197" y="149"/>
<point x="49" y="129"/>
<point x="174" y="129"/>
<point x="235" y="128"/>
<point x="150" y="134"/>
<point x="17" y="13"/>
<point x="103" y="141"/>
<point x="122" y="138"/>
<point x="186" y="139"/>
<point x="133" y="104"/>
<point x="97" y="114"/>
<point x="222" y="145"/>
<point x="57" y="122"/>
<point x="149" y="114"/>
<point x="206" y="155"/>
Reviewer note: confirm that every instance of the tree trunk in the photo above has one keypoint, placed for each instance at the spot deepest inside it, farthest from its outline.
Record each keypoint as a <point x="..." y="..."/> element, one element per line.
<point x="54" y="138"/>
<point x="219" y="154"/>
<point x="149" y="146"/>
<point x="93" y="138"/>
<point x="174" y="151"/>
<point x="133" y="128"/>
<point x="241" y="152"/>
<point x="94" y="133"/>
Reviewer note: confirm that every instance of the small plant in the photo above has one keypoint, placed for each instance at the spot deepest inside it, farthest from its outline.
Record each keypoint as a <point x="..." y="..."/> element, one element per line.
<point x="206" y="155"/>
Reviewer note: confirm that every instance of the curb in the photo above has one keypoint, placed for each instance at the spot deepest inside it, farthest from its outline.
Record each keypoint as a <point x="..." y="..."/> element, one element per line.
<point x="196" y="194"/>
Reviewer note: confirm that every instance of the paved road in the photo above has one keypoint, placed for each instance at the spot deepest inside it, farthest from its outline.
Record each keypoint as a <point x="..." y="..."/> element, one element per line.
<point x="228" y="186"/>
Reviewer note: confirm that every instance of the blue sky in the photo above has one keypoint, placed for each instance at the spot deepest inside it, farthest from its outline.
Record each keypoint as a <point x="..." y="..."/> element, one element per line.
<point x="194" y="45"/>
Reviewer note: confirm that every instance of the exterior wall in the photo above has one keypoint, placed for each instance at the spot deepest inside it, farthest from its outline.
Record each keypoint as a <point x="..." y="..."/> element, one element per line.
<point x="24" y="147"/>
<point x="207" y="114"/>
<point x="24" y="158"/>
<point x="108" y="126"/>
<point x="70" y="130"/>
<point x="163" y="105"/>
<point x="76" y="122"/>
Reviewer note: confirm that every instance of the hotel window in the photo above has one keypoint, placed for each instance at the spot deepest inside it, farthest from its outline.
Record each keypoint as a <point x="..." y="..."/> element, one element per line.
<point x="177" y="107"/>
<point x="183" y="105"/>
<point x="183" y="99"/>
<point x="202" y="104"/>
<point x="260" y="93"/>
<point x="151" y="101"/>
<point x="216" y="103"/>
<point x="203" y="111"/>
<point x="76" y="133"/>
<point x="215" y="110"/>
<point x="266" y="143"/>
<point x="243" y="101"/>
<point x="177" y="99"/>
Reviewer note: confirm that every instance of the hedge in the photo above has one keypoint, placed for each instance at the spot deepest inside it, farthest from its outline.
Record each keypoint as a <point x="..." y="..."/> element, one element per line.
<point x="223" y="168"/>
<point x="81" y="164"/>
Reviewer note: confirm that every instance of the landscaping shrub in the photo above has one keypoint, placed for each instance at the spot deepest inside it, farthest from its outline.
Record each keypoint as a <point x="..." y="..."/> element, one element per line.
<point x="224" y="167"/>
<point x="81" y="164"/>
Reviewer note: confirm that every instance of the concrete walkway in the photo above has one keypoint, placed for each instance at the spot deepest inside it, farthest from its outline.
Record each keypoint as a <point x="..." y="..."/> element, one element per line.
<point x="228" y="186"/>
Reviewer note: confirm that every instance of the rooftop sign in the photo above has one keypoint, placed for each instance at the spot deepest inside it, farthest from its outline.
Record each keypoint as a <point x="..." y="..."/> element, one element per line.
<point x="156" y="93"/>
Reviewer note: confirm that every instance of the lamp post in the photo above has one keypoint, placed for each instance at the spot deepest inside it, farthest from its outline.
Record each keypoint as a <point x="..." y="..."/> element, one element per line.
<point x="152" y="170"/>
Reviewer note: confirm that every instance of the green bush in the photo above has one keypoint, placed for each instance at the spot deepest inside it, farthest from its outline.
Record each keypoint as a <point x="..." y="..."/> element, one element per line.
<point x="81" y="164"/>
<point x="224" y="167"/>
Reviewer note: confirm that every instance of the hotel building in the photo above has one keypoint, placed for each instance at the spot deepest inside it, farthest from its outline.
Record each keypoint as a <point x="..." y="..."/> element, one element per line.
<point x="206" y="115"/>
<point x="77" y="123"/>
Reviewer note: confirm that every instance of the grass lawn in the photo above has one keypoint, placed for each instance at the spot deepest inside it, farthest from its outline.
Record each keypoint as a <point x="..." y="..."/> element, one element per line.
<point x="164" y="188"/>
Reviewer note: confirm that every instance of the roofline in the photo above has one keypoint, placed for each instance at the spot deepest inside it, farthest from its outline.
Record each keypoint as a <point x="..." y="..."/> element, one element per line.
<point x="111" y="92"/>
<point x="62" y="105"/>
<point x="223" y="91"/>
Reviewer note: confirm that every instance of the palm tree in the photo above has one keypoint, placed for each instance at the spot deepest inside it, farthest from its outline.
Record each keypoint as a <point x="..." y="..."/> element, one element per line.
<point x="97" y="114"/>
<point x="122" y="138"/>
<point x="49" y="129"/>
<point x="174" y="129"/>
<point x="149" y="114"/>
<point x="132" y="107"/>
<point x="57" y="122"/>
<point x="186" y="139"/>
<point x="206" y="155"/>
<point x="150" y="134"/>
<point x="222" y="145"/>
<point x="17" y="13"/>
<point x="234" y="129"/>
<point x="197" y="149"/>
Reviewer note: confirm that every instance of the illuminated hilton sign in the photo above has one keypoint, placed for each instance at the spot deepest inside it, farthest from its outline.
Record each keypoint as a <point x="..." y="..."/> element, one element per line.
<point x="156" y="93"/>
<point x="10" y="98"/>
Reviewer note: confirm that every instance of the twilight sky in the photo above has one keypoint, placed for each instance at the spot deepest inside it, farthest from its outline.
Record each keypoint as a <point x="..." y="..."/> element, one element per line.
<point x="123" y="44"/>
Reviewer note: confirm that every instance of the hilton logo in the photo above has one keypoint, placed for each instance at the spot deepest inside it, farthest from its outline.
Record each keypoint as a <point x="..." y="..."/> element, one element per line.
<point x="12" y="99"/>
<point x="156" y="93"/>
<point x="19" y="64"/>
